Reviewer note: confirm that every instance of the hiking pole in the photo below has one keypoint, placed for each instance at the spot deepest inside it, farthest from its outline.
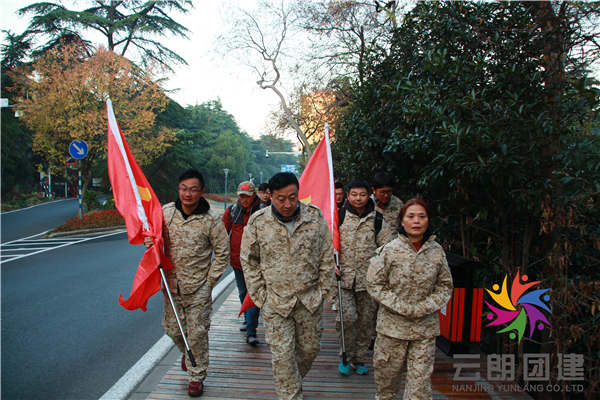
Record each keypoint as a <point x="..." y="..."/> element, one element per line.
<point x="344" y="367"/>
<point x="187" y="346"/>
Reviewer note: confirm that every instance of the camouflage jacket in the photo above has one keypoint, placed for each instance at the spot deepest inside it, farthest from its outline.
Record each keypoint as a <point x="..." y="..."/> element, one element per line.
<point x="281" y="269"/>
<point x="391" y="211"/>
<point x="189" y="245"/>
<point x="411" y="285"/>
<point x="358" y="244"/>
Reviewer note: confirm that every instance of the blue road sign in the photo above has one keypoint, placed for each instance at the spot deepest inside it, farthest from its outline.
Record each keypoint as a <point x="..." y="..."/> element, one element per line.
<point x="78" y="149"/>
<point x="289" y="168"/>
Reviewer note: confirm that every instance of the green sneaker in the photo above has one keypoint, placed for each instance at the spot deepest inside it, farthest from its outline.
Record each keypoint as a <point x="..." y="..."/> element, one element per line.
<point x="344" y="369"/>
<point x="360" y="369"/>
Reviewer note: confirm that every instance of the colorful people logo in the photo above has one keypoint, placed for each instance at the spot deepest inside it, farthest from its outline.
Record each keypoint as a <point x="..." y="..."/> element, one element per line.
<point x="519" y="307"/>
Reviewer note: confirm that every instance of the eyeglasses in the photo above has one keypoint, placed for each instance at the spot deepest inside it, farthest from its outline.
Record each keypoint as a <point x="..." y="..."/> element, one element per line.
<point x="192" y="190"/>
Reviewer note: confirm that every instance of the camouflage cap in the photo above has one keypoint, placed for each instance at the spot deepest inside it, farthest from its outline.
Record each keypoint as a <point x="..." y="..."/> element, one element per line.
<point x="246" y="188"/>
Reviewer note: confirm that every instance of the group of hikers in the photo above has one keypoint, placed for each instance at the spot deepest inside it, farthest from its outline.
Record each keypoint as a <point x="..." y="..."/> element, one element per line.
<point x="392" y="277"/>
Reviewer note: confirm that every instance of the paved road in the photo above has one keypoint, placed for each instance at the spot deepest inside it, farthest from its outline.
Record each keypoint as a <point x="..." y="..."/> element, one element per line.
<point x="22" y="223"/>
<point x="64" y="335"/>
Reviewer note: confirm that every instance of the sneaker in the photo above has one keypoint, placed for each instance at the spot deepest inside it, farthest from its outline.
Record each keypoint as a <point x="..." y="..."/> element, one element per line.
<point x="183" y="366"/>
<point x="252" y="340"/>
<point x="195" y="389"/>
<point x="344" y="369"/>
<point x="243" y="327"/>
<point x="360" y="369"/>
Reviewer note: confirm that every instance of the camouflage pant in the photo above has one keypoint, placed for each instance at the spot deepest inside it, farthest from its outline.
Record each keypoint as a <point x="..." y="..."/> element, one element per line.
<point x="194" y="313"/>
<point x="388" y="360"/>
<point x="294" y="344"/>
<point x="357" y="309"/>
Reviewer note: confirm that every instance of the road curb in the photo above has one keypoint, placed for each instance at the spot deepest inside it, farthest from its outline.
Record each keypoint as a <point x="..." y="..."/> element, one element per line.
<point x="89" y="231"/>
<point x="136" y="374"/>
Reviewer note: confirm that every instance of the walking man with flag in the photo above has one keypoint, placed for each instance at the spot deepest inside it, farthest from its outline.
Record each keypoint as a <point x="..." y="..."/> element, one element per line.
<point x="287" y="258"/>
<point x="192" y="233"/>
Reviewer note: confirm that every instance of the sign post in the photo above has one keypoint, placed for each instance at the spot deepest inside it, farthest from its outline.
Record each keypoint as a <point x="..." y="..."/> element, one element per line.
<point x="78" y="149"/>
<point x="226" y="170"/>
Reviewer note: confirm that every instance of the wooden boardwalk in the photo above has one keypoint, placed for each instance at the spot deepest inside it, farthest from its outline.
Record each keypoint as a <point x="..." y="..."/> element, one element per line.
<point x="239" y="371"/>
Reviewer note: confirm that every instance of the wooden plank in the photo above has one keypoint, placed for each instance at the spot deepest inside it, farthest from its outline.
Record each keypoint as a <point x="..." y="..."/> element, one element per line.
<point x="238" y="371"/>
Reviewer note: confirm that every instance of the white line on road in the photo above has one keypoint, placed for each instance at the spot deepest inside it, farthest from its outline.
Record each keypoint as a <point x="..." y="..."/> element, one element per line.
<point x="37" y="205"/>
<point x="24" y="248"/>
<point x="25" y="238"/>
<point x="59" y="246"/>
<point x="137" y="373"/>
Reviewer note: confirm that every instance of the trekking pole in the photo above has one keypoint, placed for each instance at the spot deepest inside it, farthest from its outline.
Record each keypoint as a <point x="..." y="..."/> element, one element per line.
<point x="187" y="346"/>
<point x="344" y="367"/>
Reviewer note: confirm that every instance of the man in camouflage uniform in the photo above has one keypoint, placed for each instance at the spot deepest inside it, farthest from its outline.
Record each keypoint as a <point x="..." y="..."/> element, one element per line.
<point x="385" y="201"/>
<point x="192" y="232"/>
<point x="287" y="258"/>
<point x="388" y="205"/>
<point x="363" y="230"/>
<point x="411" y="279"/>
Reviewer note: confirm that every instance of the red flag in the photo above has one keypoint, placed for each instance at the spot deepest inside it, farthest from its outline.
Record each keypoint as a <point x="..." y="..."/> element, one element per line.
<point x="246" y="304"/>
<point x="139" y="206"/>
<point x="317" y="186"/>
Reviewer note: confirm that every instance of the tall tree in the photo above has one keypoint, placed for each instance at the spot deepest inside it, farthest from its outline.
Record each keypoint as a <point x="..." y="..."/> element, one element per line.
<point x="347" y="36"/>
<point x="14" y="51"/>
<point x="208" y="138"/>
<point x="65" y="100"/>
<point x="474" y="110"/>
<point x="129" y="26"/>
<point x="261" y="39"/>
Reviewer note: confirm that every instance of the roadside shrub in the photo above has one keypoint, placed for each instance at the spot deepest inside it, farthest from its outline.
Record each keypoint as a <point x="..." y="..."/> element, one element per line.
<point x="90" y="199"/>
<point x="95" y="219"/>
<point x="109" y="204"/>
<point x="217" y="197"/>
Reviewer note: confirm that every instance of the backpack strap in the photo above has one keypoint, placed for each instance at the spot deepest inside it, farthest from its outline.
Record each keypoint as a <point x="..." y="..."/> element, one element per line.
<point x="378" y="222"/>
<point x="341" y="216"/>
<point x="236" y="213"/>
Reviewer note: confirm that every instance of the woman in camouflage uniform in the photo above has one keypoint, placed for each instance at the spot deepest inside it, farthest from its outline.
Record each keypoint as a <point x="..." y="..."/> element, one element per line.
<point x="411" y="280"/>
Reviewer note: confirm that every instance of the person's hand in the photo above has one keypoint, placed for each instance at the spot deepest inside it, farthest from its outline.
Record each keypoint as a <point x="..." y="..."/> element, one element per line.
<point x="338" y="271"/>
<point x="148" y="242"/>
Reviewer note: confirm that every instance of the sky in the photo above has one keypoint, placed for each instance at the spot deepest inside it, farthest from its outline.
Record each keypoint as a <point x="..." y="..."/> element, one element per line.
<point x="208" y="75"/>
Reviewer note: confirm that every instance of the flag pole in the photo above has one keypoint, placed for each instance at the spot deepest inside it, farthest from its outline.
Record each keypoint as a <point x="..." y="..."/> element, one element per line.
<point x="187" y="346"/>
<point x="343" y="368"/>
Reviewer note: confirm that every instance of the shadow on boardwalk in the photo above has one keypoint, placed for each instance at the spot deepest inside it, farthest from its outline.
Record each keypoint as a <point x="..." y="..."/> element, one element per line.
<point x="239" y="371"/>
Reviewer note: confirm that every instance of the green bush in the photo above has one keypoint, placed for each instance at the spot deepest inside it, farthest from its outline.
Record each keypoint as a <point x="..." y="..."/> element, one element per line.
<point x="110" y="203"/>
<point x="90" y="199"/>
<point x="95" y="219"/>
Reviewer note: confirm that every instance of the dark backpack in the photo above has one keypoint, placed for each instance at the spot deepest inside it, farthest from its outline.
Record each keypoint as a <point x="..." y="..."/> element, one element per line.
<point x="377" y="223"/>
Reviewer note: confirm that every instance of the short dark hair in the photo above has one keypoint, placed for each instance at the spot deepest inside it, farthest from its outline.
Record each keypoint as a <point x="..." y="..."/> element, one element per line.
<point x="192" y="173"/>
<point x="382" y="179"/>
<point x="339" y="185"/>
<point x="281" y="180"/>
<point x="263" y="187"/>
<point x="358" y="183"/>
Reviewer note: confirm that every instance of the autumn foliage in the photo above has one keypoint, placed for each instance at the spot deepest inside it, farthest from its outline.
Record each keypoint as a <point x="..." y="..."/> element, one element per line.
<point x="64" y="98"/>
